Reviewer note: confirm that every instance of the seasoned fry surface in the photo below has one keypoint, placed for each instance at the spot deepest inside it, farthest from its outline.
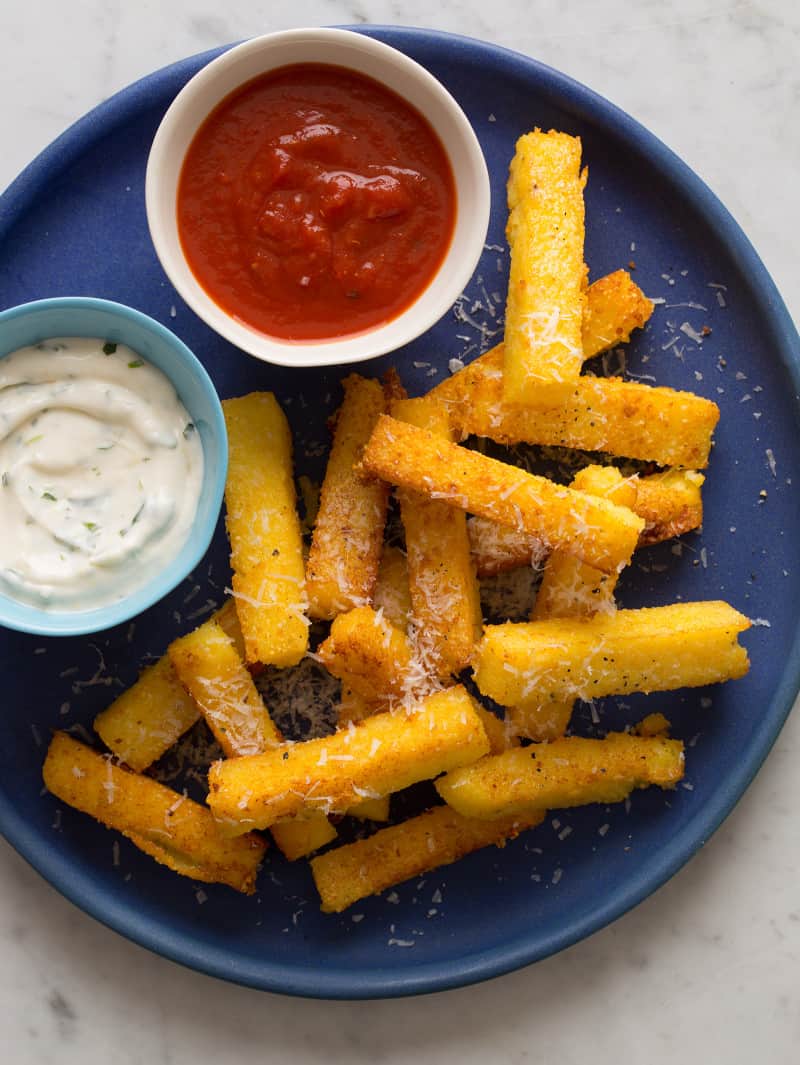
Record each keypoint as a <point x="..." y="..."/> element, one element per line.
<point x="264" y="530"/>
<point x="397" y="607"/>
<point x="569" y="587"/>
<point x="670" y="504"/>
<point x="303" y="835"/>
<point x="215" y="676"/>
<point x="624" y="418"/>
<point x="438" y="837"/>
<point x="615" y="306"/>
<point x="443" y="585"/>
<point x="384" y="754"/>
<point x="571" y="771"/>
<point x="367" y="653"/>
<point x="599" y="532"/>
<point x="348" y="533"/>
<point x="653" y="649"/>
<point x="180" y="832"/>
<point x="392" y="594"/>
<point x="145" y="721"/>
<point x="546" y="298"/>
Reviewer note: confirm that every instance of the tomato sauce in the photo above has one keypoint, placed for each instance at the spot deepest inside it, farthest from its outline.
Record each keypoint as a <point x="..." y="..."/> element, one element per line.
<point x="315" y="203"/>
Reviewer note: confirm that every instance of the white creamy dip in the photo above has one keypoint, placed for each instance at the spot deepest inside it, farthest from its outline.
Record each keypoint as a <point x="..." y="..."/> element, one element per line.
<point x="101" y="471"/>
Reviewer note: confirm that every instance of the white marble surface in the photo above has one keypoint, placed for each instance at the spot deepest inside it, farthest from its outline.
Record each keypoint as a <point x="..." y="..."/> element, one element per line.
<point x="706" y="970"/>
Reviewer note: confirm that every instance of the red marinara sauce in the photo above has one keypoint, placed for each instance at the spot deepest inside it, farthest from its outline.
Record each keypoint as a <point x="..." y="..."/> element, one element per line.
<point x="315" y="203"/>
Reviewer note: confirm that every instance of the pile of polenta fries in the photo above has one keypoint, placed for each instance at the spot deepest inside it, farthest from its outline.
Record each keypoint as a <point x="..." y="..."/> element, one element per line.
<point x="405" y="624"/>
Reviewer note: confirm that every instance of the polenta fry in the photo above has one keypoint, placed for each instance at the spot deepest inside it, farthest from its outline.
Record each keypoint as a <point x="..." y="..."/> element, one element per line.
<point x="546" y="296"/>
<point x="392" y="602"/>
<point x="653" y="649"/>
<point x="301" y="836"/>
<point x="212" y="671"/>
<point x="615" y="306"/>
<point x="369" y="655"/>
<point x="384" y="754"/>
<point x="148" y="718"/>
<point x="571" y="771"/>
<point x="215" y="676"/>
<point x="178" y="832"/>
<point x="264" y="530"/>
<point x="443" y="585"/>
<point x="371" y="809"/>
<point x="143" y="723"/>
<point x="392" y="594"/>
<point x="670" y="504"/>
<point x="601" y="534"/>
<point x="624" y="418"/>
<point x="412" y="848"/>
<point x="570" y="588"/>
<point x="348" y="534"/>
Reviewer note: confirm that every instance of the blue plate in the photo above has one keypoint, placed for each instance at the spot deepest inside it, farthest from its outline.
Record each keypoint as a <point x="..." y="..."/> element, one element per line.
<point x="74" y="223"/>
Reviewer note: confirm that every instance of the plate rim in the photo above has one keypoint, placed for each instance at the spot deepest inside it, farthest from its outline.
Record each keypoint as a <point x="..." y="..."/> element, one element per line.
<point x="383" y="981"/>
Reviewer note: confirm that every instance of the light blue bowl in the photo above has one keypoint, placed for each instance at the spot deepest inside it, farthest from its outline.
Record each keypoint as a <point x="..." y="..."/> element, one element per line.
<point x="79" y="316"/>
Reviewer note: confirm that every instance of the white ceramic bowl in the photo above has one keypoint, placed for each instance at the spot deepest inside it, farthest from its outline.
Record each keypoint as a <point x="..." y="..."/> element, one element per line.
<point x="397" y="72"/>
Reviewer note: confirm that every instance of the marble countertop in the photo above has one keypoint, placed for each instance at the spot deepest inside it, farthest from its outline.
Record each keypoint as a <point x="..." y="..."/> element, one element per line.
<point x="705" y="970"/>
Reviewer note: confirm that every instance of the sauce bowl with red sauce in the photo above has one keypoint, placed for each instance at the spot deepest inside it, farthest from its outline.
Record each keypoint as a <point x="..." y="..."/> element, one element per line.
<point x="316" y="197"/>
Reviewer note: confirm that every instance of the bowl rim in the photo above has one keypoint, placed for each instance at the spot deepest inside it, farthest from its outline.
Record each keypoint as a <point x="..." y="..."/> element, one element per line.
<point x="452" y="274"/>
<point x="384" y="981"/>
<point x="84" y="622"/>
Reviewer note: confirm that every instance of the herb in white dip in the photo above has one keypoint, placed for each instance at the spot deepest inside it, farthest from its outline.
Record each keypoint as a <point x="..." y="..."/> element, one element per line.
<point x="79" y="525"/>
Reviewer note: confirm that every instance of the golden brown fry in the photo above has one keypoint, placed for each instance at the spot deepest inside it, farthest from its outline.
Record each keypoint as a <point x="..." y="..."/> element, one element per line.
<point x="546" y="296"/>
<point x="301" y="836"/>
<point x="445" y="598"/>
<point x="670" y="504"/>
<point x="535" y="719"/>
<point x="392" y="594"/>
<point x="146" y="720"/>
<point x="652" y="725"/>
<point x="212" y="671"/>
<point x="369" y="655"/>
<point x="602" y="534"/>
<point x="499" y="548"/>
<point x="615" y="306"/>
<point x="371" y="809"/>
<point x="215" y="676"/>
<point x="367" y="651"/>
<point x="393" y="600"/>
<point x="653" y="649"/>
<point x="570" y="771"/>
<point x="417" y="846"/>
<point x="264" y="530"/>
<point x="624" y="418"/>
<point x="175" y="830"/>
<point x="355" y="707"/>
<point x="499" y="735"/>
<point x="570" y="588"/>
<point x="228" y="620"/>
<point x="608" y="482"/>
<point x="384" y="754"/>
<point x="348" y="534"/>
